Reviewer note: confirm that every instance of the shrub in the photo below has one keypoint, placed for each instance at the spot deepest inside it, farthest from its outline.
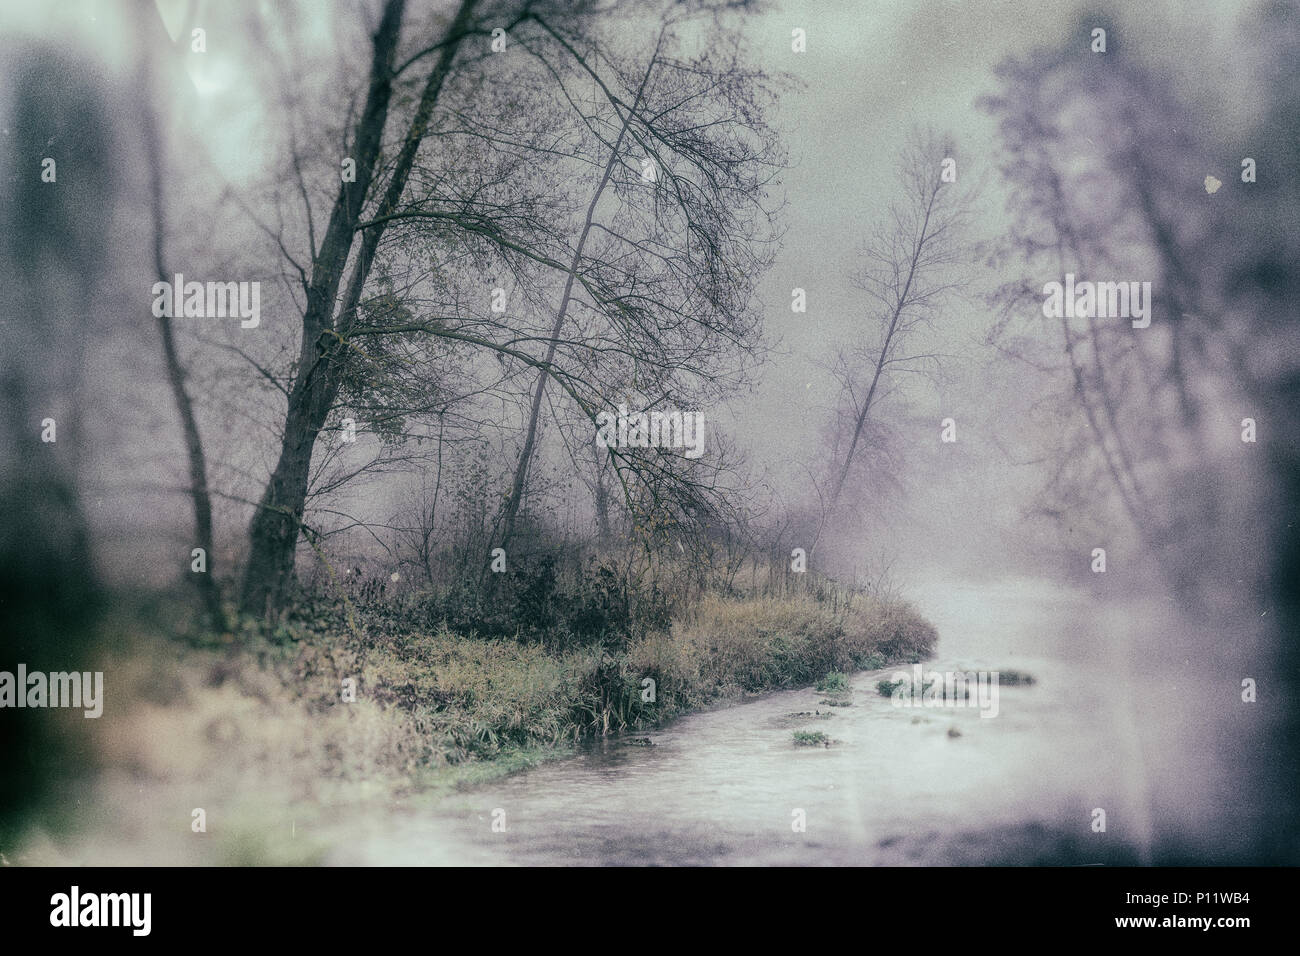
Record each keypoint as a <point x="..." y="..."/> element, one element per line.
<point x="886" y="688"/>
<point x="811" y="738"/>
<point x="833" y="683"/>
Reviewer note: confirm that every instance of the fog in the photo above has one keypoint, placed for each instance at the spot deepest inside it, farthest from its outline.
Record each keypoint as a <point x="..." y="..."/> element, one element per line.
<point x="839" y="261"/>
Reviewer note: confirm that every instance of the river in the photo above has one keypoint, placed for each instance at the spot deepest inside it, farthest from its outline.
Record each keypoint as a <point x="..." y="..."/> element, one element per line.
<point x="898" y="785"/>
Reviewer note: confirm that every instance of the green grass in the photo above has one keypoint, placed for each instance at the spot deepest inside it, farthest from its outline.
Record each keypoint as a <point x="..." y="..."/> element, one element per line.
<point x="833" y="683"/>
<point x="811" y="738"/>
<point x="886" y="688"/>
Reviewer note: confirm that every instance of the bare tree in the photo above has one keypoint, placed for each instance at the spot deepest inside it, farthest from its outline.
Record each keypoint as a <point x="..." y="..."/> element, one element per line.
<point x="209" y="590"/>
<point x="512" y="502"/>
<point x="662" y="297"/>
<point x="907" y="272"/>
<point x="1093" y="199"/>
<point x="332" y="307"/>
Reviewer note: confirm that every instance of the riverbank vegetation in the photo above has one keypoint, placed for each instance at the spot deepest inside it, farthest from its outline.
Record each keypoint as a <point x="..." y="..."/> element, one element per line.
<point x="351" y="701"/>
<point x="391" y="690"/>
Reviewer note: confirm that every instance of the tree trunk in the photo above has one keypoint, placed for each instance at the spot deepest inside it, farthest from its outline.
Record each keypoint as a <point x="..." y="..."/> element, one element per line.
<point x="512" y="503"/>
<point x="209" y="591"/>
<point x="861" y="422"/>
<point x="273" y="534"/>
<point x="603" y="531"/>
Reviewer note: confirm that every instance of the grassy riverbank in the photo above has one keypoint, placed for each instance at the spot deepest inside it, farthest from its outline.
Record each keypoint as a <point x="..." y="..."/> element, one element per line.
<point x="264" y="720"/>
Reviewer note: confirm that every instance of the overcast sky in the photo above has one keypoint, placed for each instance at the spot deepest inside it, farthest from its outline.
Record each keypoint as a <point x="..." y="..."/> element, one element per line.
<point x="873" y="70"/>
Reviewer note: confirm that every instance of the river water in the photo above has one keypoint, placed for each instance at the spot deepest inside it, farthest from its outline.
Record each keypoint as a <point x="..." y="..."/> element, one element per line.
<point x="898" y="786"/>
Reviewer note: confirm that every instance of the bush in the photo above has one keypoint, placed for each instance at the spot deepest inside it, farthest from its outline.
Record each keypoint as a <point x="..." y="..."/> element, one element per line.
<point x="833" y="683"/>
<point x="811" y="738"/>
<point x="759" y="644"/>
<point x="886" y="688"/>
